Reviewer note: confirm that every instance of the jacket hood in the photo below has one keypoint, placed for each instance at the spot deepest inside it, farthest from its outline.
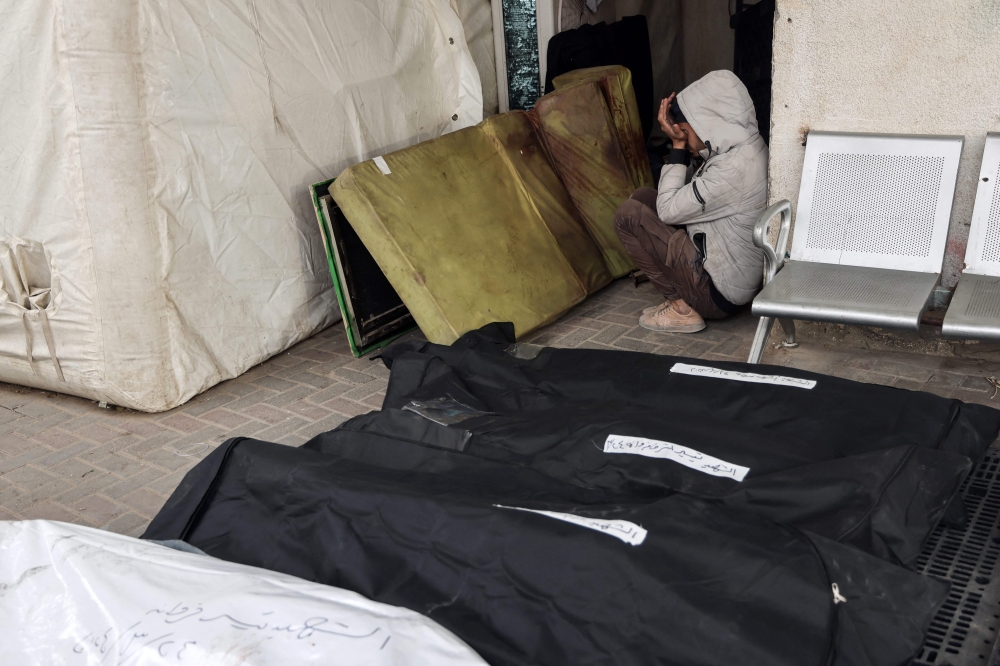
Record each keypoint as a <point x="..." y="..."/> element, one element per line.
<point x="720" y="110"/>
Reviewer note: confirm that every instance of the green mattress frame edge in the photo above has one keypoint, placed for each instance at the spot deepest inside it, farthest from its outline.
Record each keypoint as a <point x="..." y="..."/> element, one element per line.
<point x="317" y="191"/>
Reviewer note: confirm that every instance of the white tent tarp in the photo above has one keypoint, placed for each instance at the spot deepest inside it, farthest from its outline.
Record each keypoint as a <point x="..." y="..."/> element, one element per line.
<point x="76" y="595"/>
<point x="156" y="230"/>
<point x="477" y="19"/>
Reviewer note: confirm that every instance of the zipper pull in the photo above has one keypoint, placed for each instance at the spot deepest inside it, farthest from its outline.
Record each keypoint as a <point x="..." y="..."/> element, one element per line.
<point x="697" y="195"/>
<point x="837" y="598"/>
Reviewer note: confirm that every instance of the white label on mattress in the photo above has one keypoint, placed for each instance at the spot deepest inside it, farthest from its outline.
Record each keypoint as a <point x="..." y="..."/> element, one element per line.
<point x="653" y="448"/>
<point x="382" y="166"/>
<point x="705" y="371"/>
<point x="628" y="532"/>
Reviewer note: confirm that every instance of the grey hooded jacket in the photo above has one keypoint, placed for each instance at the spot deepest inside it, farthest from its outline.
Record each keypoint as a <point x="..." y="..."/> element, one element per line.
<point x="729" y="191"/>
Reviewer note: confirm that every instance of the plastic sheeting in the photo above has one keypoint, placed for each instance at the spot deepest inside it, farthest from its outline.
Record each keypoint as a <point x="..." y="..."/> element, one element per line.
<point x="477" y="19"/>
<point x="158" y="155"/>
<point x="77" y="595"/>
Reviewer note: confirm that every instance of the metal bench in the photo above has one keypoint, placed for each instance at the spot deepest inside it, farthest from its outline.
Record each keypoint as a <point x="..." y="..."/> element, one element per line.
<point x="975" y="307"/>
<point x="870" y="233"/>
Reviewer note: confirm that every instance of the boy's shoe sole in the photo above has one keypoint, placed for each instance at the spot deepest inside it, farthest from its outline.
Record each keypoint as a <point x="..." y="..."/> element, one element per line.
<point x="692" y="328"/>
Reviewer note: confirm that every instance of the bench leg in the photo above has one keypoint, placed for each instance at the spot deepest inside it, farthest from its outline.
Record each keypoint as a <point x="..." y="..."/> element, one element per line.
<point x="760" y="339"/>
<point x="788" y="326"/>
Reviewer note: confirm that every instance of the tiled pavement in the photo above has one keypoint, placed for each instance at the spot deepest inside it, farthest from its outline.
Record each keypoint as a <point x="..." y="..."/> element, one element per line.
<point x="63" y="458"/>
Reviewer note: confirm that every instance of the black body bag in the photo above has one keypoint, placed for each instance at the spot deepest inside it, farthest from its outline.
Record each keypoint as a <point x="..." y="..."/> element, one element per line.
<point x="885" y="502"/>
<point x="882" y="495"/>
<point x="528" y="570"/>
<point x="835" y="416"/>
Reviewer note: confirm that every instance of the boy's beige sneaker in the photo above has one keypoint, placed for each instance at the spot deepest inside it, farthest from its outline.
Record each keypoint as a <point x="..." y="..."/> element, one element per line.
<point x="667" y="320"/>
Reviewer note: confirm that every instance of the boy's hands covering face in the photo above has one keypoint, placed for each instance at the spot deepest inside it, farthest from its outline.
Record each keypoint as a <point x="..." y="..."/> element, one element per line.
<point x="669" y="125"/>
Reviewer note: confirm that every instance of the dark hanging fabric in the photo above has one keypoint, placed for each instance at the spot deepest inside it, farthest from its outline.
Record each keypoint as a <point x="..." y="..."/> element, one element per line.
<point x="753" y="52"/>
<point x="459" y="539"/>
<point x="625" y="42"/>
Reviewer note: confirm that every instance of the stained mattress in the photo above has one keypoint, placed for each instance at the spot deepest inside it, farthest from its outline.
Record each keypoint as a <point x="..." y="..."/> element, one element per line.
<point x="471" y="225"/>
<point x="509" y="220"/>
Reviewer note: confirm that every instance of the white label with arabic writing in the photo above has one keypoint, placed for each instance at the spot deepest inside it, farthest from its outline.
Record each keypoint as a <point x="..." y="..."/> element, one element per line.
<point x="719" y="373"/>
<point x="381" y="164"/>
<point x="628" y="532"/>
<point x="654" y="448"/>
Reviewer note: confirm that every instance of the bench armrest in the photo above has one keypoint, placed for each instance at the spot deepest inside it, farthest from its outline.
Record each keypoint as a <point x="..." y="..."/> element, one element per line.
<point x="774" y="257"/>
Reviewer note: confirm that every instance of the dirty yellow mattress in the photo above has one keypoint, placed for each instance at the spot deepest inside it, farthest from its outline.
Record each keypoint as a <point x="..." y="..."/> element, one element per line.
<point x="579" y="135"/>
<point x="615" y="82"/>
<point x="474" y="227"/>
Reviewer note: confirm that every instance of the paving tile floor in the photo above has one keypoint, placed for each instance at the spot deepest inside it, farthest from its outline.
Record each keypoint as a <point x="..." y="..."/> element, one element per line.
<point x="64" y="458"/>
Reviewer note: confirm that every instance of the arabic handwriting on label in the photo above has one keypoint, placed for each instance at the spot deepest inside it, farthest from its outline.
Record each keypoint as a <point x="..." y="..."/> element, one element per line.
<point x="734" y="375"/>
<point x="653" y="448"/>
<point x="171" y="641"/>
<point x="624" y="530"/>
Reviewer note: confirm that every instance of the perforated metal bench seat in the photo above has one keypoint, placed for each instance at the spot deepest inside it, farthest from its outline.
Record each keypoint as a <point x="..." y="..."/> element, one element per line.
<point x="975" y="308"/>
<point x="870" y="233"/>
<point x="846" y="294"/>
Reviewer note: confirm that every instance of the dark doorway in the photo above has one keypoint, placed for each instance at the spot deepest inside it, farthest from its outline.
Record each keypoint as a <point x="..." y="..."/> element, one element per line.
<point x="754" y="25"/>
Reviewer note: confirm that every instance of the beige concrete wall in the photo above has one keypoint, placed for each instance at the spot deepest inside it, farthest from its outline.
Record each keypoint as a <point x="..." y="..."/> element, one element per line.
<point x="906" y="66"/>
